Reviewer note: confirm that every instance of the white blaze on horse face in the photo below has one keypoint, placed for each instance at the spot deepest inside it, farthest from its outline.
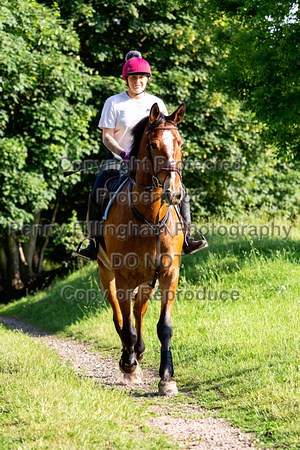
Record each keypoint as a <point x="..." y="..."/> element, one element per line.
<point x="169" y="141"/>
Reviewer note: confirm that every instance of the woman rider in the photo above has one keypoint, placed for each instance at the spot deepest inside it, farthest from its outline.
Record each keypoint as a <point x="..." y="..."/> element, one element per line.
<point x="120" y="114"/>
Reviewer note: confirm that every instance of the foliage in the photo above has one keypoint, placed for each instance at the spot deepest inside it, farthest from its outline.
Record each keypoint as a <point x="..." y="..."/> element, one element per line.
<point x="65" y="238"/>
<point x="262" y="64"/>
<point x="184" y="43"/>
<point x="58" y="66"/>
<point x="44" y="109"/>
<point x="45" y="115"/>
<point x="269" y="186"/>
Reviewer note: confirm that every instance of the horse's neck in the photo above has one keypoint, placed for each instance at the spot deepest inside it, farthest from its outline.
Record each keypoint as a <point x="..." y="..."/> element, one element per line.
<point x="149" y="203"/>
<point x="143" y="175"/>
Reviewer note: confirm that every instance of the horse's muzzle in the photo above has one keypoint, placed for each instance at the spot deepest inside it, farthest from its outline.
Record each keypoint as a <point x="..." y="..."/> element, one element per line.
<point x="172" y="198"/>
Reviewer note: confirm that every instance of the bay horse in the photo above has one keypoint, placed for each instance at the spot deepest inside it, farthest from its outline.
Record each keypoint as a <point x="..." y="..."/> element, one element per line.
<point x="137" y="261"/>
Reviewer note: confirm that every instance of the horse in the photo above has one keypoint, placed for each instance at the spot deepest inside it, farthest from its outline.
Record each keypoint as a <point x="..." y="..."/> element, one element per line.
<point x="150" y="199"/>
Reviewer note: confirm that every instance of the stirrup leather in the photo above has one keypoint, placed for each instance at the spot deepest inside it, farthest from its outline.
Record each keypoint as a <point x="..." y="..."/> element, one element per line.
<point x="95" y="251"/>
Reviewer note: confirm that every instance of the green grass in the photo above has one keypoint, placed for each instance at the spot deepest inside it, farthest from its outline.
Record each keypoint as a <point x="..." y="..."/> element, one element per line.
<point x="240" y="357"/>
<point x="44" y="405"/>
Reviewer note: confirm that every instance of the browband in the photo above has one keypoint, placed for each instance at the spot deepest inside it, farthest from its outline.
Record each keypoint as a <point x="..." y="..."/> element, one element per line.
<point x="168" y="127"/>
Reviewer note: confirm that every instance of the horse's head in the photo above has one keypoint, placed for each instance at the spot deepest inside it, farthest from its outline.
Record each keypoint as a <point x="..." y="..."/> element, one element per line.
<point x="164" y="152"/>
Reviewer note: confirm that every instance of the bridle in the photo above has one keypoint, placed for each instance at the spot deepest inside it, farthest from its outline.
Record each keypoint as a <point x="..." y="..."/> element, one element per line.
<point x="170" y="168"/>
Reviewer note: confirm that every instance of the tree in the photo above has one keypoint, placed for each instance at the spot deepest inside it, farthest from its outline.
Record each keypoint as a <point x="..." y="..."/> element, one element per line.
<point x="44" y="117"/>
<point x="185" y="43"/>
<point x="262" y="65"/>
<point x="182" y="41"/>
<point x="58" y="66"/>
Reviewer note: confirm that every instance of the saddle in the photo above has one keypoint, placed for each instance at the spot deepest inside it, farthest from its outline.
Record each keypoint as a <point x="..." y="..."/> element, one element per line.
<point x="113" y="185"/>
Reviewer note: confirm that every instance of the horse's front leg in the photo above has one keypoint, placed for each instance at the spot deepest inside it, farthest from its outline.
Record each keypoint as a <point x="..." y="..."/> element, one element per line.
<point x="128" y="362"/>
<point x="139" y="310"/>
<point x="168" y="284"/>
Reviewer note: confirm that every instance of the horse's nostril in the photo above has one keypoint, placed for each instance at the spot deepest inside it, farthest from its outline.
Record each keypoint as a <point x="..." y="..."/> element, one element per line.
<point x="177" y="199"/>
<point x="168" y="196"/>
<point x="172" y="198"/>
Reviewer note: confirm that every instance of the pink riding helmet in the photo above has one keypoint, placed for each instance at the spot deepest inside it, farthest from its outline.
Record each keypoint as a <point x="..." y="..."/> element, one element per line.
<point x="138" y="66"/>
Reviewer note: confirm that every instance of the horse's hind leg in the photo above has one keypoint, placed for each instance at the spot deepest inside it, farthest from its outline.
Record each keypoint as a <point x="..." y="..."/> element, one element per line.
<point x="109" y="286"/>
<point x="124" y="325"/>
<point x="139" y="310"/>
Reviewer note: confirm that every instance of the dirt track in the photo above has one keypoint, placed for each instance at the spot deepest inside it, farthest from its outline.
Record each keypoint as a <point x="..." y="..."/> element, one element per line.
<point x="190" y="426"/>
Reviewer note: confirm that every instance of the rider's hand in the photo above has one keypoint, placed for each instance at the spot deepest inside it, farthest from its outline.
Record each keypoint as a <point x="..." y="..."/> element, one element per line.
<point x="125" y="155"/>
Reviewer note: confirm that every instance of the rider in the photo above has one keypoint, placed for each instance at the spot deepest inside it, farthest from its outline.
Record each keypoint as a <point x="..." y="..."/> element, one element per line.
<point x="120" y="114"/>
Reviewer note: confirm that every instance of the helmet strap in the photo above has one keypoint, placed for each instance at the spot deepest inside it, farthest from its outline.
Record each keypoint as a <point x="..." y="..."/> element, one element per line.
<point x="141" y="92"/>
<point x="135" y="95"/>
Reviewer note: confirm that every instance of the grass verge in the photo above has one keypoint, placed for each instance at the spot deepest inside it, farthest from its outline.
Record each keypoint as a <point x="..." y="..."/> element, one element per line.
<point x="44" y="405"/>
<point x="240" y="356"/>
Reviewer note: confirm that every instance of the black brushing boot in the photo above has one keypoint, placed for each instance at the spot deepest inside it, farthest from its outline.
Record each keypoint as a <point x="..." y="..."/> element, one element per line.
<point x="94" y="225"/>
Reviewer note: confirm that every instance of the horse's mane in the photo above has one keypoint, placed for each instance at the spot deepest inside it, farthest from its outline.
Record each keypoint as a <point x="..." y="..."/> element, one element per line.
<point x="137" y="134"/>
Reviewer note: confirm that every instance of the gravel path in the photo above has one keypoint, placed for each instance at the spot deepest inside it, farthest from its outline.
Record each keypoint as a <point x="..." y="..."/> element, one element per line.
<point x="190" y="426"/>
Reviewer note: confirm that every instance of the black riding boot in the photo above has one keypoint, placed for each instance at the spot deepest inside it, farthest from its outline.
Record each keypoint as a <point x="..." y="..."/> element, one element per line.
<point x="94" y="225"/>
<point x="190" y="244"/>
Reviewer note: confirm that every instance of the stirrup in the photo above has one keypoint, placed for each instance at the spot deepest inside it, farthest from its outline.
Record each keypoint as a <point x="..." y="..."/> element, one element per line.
<point x="193" y="247"/>
<point x="197" y="244"/>
<point x="95" y="251"/>
<point x="198" y="235"/>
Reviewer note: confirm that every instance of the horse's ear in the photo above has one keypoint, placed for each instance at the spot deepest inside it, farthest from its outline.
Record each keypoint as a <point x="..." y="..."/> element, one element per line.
<point x="177" y="115"/>
<point x="154" y="113"/>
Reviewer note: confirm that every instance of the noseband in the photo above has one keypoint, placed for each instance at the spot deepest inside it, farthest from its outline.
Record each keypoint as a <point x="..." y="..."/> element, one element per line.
<point x="170" y="168"/>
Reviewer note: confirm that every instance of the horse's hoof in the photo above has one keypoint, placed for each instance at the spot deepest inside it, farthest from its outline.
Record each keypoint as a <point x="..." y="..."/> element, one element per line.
<point x="126" y="368"/>
<point x="167" y="388"/>
<point x="134" y="378"/>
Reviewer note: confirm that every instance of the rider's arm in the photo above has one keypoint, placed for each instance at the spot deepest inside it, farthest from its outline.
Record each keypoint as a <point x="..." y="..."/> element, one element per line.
<point x="110" y="142"/>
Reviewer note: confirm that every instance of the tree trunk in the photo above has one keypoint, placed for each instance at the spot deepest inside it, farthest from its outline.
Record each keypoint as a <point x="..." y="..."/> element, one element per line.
<point x="3" y="269"/>
<point x="29" y="249"/>
<point x="14" y="276"/>
<point x="42" y="252"/>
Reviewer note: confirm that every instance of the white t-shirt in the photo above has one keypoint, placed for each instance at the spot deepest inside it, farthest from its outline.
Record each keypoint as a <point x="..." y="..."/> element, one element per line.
<point x="122" y="113"/>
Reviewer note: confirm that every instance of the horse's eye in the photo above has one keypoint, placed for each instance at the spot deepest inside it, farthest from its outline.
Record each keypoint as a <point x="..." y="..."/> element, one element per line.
<point x="154" y="146"/>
